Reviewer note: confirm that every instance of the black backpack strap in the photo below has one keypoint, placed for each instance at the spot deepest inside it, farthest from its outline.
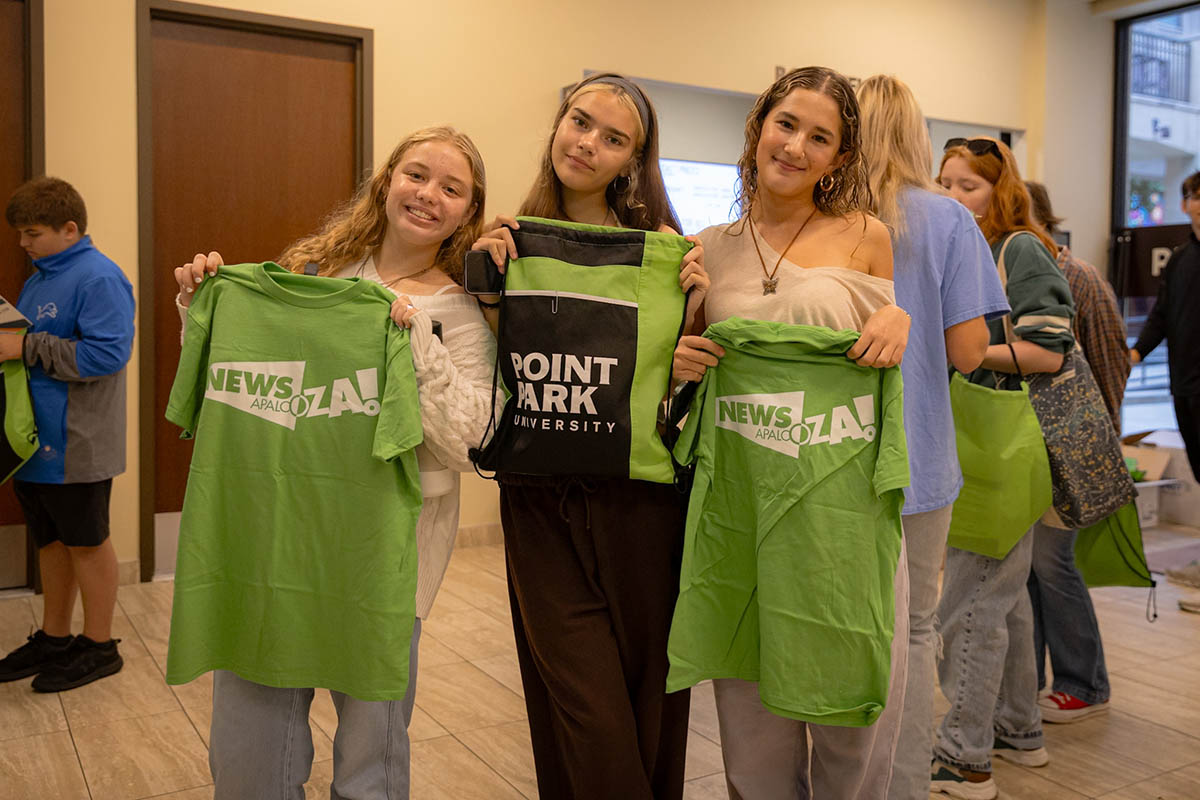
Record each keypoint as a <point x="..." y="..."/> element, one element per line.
<point x="476" y="454"/>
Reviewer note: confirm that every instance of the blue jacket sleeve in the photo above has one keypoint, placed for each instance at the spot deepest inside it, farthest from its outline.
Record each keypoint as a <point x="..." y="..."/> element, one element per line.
<point x="104" y="335"/>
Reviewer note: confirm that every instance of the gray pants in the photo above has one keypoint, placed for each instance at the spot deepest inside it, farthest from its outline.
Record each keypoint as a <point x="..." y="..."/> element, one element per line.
<point x="260" y="745"/>
<point x="767" y="756"/>
<point x="925" y="535"/>
<point x="988" y="673"/>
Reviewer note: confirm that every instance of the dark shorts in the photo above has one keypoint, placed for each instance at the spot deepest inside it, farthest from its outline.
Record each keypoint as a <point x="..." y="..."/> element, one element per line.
<point x="75" y="514"/>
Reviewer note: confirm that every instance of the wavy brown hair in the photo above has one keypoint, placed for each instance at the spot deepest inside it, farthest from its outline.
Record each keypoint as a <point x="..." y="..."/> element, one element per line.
<point x="358" y="227"/>
<point x="850" y="190"/>
<point x="639" y="198"/>
<point x="1010" y="208"/>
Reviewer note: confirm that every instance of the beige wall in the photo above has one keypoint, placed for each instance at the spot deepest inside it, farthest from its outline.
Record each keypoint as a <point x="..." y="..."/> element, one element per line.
<point x="1075" y="160"/>
<point x="91" y="140"/>
<point x="495" y="69"/>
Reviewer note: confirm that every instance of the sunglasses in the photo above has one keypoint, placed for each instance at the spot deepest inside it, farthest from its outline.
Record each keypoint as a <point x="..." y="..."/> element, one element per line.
<point x="977" y="147"/>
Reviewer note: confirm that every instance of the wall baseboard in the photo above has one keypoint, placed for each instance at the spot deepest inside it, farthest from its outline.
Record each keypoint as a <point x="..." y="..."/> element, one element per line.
<point x="129" y="571"/>
<point x="477" y="535"/>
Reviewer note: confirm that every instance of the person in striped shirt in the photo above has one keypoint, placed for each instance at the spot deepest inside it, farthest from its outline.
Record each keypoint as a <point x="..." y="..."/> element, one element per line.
<point x="1064" y="621"/>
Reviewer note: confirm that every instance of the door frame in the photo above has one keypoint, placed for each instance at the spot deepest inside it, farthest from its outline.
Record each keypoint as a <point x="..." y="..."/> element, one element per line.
<point x="35" y="69"/>
<point x="363" y="42"/>
<point x="35" y="165"/>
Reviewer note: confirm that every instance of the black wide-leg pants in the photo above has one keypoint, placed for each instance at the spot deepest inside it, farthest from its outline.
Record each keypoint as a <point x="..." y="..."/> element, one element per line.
<point x="593" y="573"/>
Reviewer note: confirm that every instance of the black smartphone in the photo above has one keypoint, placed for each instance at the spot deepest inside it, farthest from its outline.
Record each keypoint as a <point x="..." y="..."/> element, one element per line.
<point x="480" y="273"/>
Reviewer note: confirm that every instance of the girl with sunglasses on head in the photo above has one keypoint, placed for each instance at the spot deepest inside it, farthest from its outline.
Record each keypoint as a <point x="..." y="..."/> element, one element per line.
<point x="407" y="228"/>
<point x="593" y="563"/>
<point x="806" y="251"/>
<point x="946" y="279"/>
<point x="989" y="673"/>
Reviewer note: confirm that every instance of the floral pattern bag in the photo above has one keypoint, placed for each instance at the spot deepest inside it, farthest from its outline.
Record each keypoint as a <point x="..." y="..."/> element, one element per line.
<point x="1088" y="474"/>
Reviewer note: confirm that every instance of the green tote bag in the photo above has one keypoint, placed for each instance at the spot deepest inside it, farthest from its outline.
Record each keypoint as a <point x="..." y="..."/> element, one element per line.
<point x="1110" y="553"/>
<point x="1006" y="472"/>
<point x="20" y="434"/>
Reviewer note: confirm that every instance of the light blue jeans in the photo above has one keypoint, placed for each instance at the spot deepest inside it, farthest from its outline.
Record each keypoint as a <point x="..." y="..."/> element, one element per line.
<point x="1064" y="620"/>
<point x="987" y="671"/>
<point x="925" y="540"/>
<point x="260" y="744"/>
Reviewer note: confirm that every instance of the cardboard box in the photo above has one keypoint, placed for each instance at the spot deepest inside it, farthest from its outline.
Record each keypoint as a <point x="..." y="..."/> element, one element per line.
<point x="1150" y="460"/>
<point x="1176" y="497"/>
<point x="1181" y="501"/>
<point x="1149" y="501"/>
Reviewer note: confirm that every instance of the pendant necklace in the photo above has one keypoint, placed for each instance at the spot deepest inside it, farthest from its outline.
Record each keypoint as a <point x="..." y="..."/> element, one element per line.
<point x="388" y="284"/>
<point x="769" y="282"/>
<point x="608" y="213"/>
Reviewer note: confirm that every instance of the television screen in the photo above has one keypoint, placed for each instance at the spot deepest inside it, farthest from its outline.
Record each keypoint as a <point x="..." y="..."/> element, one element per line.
<point x="702" y="193"/>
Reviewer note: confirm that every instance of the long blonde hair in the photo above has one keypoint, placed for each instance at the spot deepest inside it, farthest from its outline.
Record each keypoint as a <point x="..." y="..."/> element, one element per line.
<point x="357" y="227"/>
<point x="895" y="145"/>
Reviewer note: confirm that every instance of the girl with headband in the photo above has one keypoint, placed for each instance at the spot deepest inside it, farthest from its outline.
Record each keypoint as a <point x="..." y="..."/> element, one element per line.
<point x="593" y="564"/>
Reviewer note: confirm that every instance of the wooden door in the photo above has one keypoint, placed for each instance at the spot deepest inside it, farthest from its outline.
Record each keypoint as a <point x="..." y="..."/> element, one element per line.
<point x="15" y="167"/>
<point x="255" y="138"/>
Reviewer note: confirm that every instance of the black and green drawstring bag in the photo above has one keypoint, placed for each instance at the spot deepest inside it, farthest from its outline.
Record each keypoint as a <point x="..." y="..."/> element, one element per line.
<point x="589" y="318"/>
<point x="20" y="433"/>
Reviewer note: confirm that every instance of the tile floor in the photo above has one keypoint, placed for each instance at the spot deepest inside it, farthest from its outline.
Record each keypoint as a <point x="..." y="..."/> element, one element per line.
<point x="132" y="736"/>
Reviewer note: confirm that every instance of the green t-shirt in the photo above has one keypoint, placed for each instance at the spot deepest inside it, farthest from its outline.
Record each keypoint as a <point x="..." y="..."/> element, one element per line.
<point x="297" y="556"/>
<point x="793" y="529"/>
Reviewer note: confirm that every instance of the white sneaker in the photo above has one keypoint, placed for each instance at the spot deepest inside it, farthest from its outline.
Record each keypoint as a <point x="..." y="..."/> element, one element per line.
<point x="1188" y="575"/>
<point x="1192" y="605"/>
<point x="1061" y="707"/>
<point x="945" y="779"/>
<point x="1026" y="758"/>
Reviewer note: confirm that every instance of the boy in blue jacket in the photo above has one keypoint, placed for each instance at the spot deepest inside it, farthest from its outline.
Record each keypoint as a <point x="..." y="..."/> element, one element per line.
<point x="81" y="306"/>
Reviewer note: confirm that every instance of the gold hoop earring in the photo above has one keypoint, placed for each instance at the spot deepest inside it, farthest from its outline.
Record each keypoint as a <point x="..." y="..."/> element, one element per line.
<point x="826" y="183"/>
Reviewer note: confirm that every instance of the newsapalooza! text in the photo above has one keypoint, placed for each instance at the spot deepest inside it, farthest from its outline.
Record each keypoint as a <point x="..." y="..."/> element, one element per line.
<point x="272" y="390"/>
<point x="561" y="383"/>
<point x="777" y="421"/>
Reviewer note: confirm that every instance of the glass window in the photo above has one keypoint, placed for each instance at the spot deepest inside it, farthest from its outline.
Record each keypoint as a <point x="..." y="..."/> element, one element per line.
<point x="1158" y="140"/>
<point x="1163" y="117"/>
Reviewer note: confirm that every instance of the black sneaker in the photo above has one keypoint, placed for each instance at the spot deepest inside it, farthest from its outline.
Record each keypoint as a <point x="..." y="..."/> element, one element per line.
<point x="38" y="653"/>
<point x="85" y="662"/>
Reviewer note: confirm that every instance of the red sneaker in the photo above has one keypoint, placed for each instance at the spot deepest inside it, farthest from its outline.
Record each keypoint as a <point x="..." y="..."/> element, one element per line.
<point x="1062" y="707"/>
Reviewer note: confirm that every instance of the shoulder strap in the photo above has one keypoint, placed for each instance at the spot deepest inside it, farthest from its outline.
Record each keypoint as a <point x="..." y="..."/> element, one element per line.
<point x="1009" y="334"/>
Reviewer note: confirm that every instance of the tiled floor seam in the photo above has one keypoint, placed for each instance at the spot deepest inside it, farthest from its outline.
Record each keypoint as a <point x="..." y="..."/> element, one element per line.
<point x="1157" y="722"/>
<point x="1040" y="773"/>
<point x="74" y="749"/>
<point x="172" y="792"/>
<point x="179" y="710"/>
<point x="484" y="761"/>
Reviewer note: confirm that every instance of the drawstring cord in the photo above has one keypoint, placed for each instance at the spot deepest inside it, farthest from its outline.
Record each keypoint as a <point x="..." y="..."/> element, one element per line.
<point x="586" y="487"/>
